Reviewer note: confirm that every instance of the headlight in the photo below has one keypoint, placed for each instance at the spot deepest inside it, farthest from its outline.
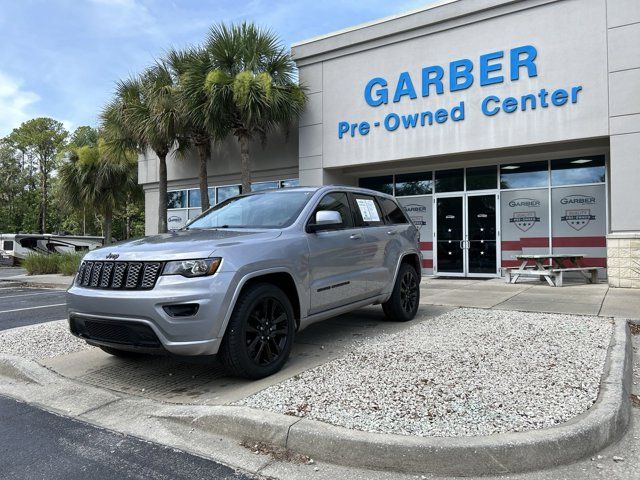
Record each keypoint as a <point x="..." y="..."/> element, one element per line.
<point x="192" y="268"/>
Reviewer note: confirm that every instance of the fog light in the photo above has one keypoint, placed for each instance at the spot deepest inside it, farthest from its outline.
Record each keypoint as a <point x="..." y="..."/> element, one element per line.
<point x="183" y="310"/>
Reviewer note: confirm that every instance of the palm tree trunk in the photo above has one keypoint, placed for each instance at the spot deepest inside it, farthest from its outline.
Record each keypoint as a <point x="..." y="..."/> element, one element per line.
<point x="162" y="192"/>
<point x="245" y="164"/>
<point x="203" y="153"/>
<point x="108" y="222"/>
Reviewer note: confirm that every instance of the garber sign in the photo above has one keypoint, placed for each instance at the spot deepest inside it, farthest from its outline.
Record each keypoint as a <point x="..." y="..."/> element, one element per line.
<point x="461" y="75"/>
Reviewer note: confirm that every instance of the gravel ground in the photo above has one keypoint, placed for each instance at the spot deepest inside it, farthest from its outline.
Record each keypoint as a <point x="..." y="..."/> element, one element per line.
<point x="44" y="340"/>
<point x="468" y="372"/>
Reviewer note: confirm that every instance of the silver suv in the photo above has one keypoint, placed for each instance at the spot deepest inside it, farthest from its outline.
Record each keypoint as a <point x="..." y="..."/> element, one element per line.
<point x="243" y="277"/>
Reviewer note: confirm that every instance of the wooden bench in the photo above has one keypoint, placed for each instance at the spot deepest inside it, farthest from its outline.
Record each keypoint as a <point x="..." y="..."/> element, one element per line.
<point x="553" y="276"/>
<point x="590" y="273"/>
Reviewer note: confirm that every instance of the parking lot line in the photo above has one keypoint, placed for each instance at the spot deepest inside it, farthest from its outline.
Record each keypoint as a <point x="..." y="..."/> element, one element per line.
<point x="31" y="294"/>
<point x="32" y="308"/>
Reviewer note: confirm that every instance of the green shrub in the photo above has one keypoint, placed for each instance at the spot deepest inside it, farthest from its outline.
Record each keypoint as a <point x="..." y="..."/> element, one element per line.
<point x="42" y="264"/>
<point x="69" y="263"/>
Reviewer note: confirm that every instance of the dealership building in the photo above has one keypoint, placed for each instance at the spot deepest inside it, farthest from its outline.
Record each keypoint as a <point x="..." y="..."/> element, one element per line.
<point x="504" y="127"/>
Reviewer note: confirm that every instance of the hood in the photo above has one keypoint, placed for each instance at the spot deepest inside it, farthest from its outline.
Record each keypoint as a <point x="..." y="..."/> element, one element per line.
<point x="180" y="245"/>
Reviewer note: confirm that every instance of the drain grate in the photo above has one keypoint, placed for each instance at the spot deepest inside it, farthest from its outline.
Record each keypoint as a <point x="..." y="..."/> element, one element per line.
<point x="155" y="377"/>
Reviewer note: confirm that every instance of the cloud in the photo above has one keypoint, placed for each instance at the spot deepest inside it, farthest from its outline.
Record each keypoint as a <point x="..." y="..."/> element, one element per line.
<point x="124" y="18"/>
<point x="15" y="104"/>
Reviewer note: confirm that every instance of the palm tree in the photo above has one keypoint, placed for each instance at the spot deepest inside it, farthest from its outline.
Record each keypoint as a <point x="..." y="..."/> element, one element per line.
<point x="189" y="68"/>
<point x="95" y="181"/>
<point x="145" y="115"/>
<point x="250" y="86"/>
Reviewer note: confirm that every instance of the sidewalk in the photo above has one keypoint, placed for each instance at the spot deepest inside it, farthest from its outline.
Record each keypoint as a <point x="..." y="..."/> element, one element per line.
<point x="533" y="296"/>
<point x="47" y="281"/>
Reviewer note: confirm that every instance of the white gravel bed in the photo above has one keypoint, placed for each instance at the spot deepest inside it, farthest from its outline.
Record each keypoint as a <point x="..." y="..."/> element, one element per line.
<point x="466" y="373"/>
<point x="44" y="340"/>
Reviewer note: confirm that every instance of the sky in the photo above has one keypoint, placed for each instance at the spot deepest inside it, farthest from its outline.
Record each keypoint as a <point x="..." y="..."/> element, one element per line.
<point x="61" y="58"/>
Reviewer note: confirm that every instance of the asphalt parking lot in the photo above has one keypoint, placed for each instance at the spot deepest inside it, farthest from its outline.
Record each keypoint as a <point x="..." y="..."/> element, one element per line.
<point x="20" y="306"/>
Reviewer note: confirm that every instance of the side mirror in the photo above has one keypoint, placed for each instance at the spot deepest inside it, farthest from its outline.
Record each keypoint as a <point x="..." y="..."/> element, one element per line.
<point x="325" y="220"/>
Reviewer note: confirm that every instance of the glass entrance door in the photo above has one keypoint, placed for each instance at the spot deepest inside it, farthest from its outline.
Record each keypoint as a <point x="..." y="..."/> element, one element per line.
<point x="450" y="235"/>
<point x="481" y="236"/>
<point x="466" y="242"/>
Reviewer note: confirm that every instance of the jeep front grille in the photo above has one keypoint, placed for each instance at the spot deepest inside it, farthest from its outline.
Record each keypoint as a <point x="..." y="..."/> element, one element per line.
<point x="119" y="275"/>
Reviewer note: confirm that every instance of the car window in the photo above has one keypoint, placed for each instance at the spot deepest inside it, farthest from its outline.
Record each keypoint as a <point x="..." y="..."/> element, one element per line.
<point x="336" y="202"/>
<point x="368" y="211"/>
<point x="270" y="209"/>
<point x="392" y="211"/>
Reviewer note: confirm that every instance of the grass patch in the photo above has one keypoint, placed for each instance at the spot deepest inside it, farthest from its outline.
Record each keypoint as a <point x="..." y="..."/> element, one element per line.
<point x="42" y="264"/>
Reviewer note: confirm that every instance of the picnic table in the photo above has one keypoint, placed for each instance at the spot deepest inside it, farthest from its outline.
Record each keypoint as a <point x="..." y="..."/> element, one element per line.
<point x="551" y="267"/>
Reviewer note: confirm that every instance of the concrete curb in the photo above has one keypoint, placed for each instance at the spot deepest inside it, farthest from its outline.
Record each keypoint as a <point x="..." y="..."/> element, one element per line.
<point x="583" y="436"/>
<point x="588" y="433"/>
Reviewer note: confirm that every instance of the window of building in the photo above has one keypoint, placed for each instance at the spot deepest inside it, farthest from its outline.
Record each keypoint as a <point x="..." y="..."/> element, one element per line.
<point x="482" y="178"/>
<point x="294" y="182"/>
<point x="177" y="199"/>
<point x="258" y="186"/>
<point x="194" y="198"/>
<point x="576" y="171"/>
<point x="524" y="175"/>
<point x="449" y="180"/>
<point x="392" y="211"/>
<point x="382" y="184"/>
<point x="414" y="184"/>
<point x="336" y="202"/>
<point x="212" y="196"/>
<point x="229" y="191"/>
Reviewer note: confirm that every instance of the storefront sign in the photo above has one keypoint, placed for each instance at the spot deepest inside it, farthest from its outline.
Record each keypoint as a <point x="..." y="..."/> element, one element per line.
<point x="490" y="69"/>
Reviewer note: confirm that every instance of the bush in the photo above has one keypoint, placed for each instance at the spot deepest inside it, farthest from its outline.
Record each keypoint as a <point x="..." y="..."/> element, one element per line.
<point x="69" y="263"/>
<point x="42" y="264"/>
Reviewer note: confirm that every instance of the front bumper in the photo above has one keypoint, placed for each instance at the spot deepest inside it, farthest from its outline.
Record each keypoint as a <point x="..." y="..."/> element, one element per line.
<point x="119" y="318"/>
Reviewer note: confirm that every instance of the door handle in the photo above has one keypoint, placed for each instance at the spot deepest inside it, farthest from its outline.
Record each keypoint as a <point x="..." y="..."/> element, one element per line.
<point x="461" y="245"/>
<point x="391" y="232"/>
<point x="355" y="236"/>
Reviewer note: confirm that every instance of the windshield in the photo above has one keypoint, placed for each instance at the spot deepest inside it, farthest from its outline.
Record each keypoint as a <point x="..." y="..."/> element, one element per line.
<point x="260" y="210"/>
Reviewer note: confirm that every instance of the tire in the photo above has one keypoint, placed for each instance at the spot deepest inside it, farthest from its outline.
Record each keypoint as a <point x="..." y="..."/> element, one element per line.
<point x="403" y="304"/>
<point x="244" y="351"/>
<point x="120" y="353"/>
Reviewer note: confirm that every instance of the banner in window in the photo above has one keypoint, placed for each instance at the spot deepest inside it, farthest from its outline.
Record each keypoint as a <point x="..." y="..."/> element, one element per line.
<point x="420" y="211"/>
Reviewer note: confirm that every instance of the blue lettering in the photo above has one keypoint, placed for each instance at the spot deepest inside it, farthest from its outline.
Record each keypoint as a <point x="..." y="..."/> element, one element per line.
<point x="574" y="94"/>
<point x="428" y="79"/>
<point x="388" y="122"/>
<point x="509" y="105"/>
<point x="486" y="68"/>
<point x="410" y="120"/>
<point x="530" y="54"/>
<point x="457" y="112"/>
<point x="559" y="97"/>
<point x="485" y="105"/>
<point x="532" y="100"/>
<point x="363" y="128"/>
<point x="404" y="87"/>
<point x="343" y="127"/>
<point x="543" y="98"/>
<point x="381" y="94"/>
<point x="465" y="74"/>
<point x="441" y="115"/>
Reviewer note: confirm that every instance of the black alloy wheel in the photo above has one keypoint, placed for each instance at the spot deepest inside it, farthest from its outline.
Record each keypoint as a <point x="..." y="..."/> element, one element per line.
<point x="266" y="333"/>
<point x="260" y="332"/>
<point x="404" y="301"/>
<point x="408" y="292"/>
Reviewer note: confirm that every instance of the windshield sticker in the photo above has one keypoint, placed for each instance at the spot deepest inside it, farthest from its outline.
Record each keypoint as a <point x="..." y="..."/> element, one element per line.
<point x="368" y="210"/>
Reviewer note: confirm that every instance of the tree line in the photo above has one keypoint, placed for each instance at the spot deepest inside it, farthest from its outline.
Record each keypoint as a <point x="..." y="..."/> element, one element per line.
<point x="240" y="83"/>
<point x="56" y="182"/>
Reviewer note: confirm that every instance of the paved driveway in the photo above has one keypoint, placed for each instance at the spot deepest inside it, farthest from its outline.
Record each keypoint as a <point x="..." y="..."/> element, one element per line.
<point x="27" y="306"/>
